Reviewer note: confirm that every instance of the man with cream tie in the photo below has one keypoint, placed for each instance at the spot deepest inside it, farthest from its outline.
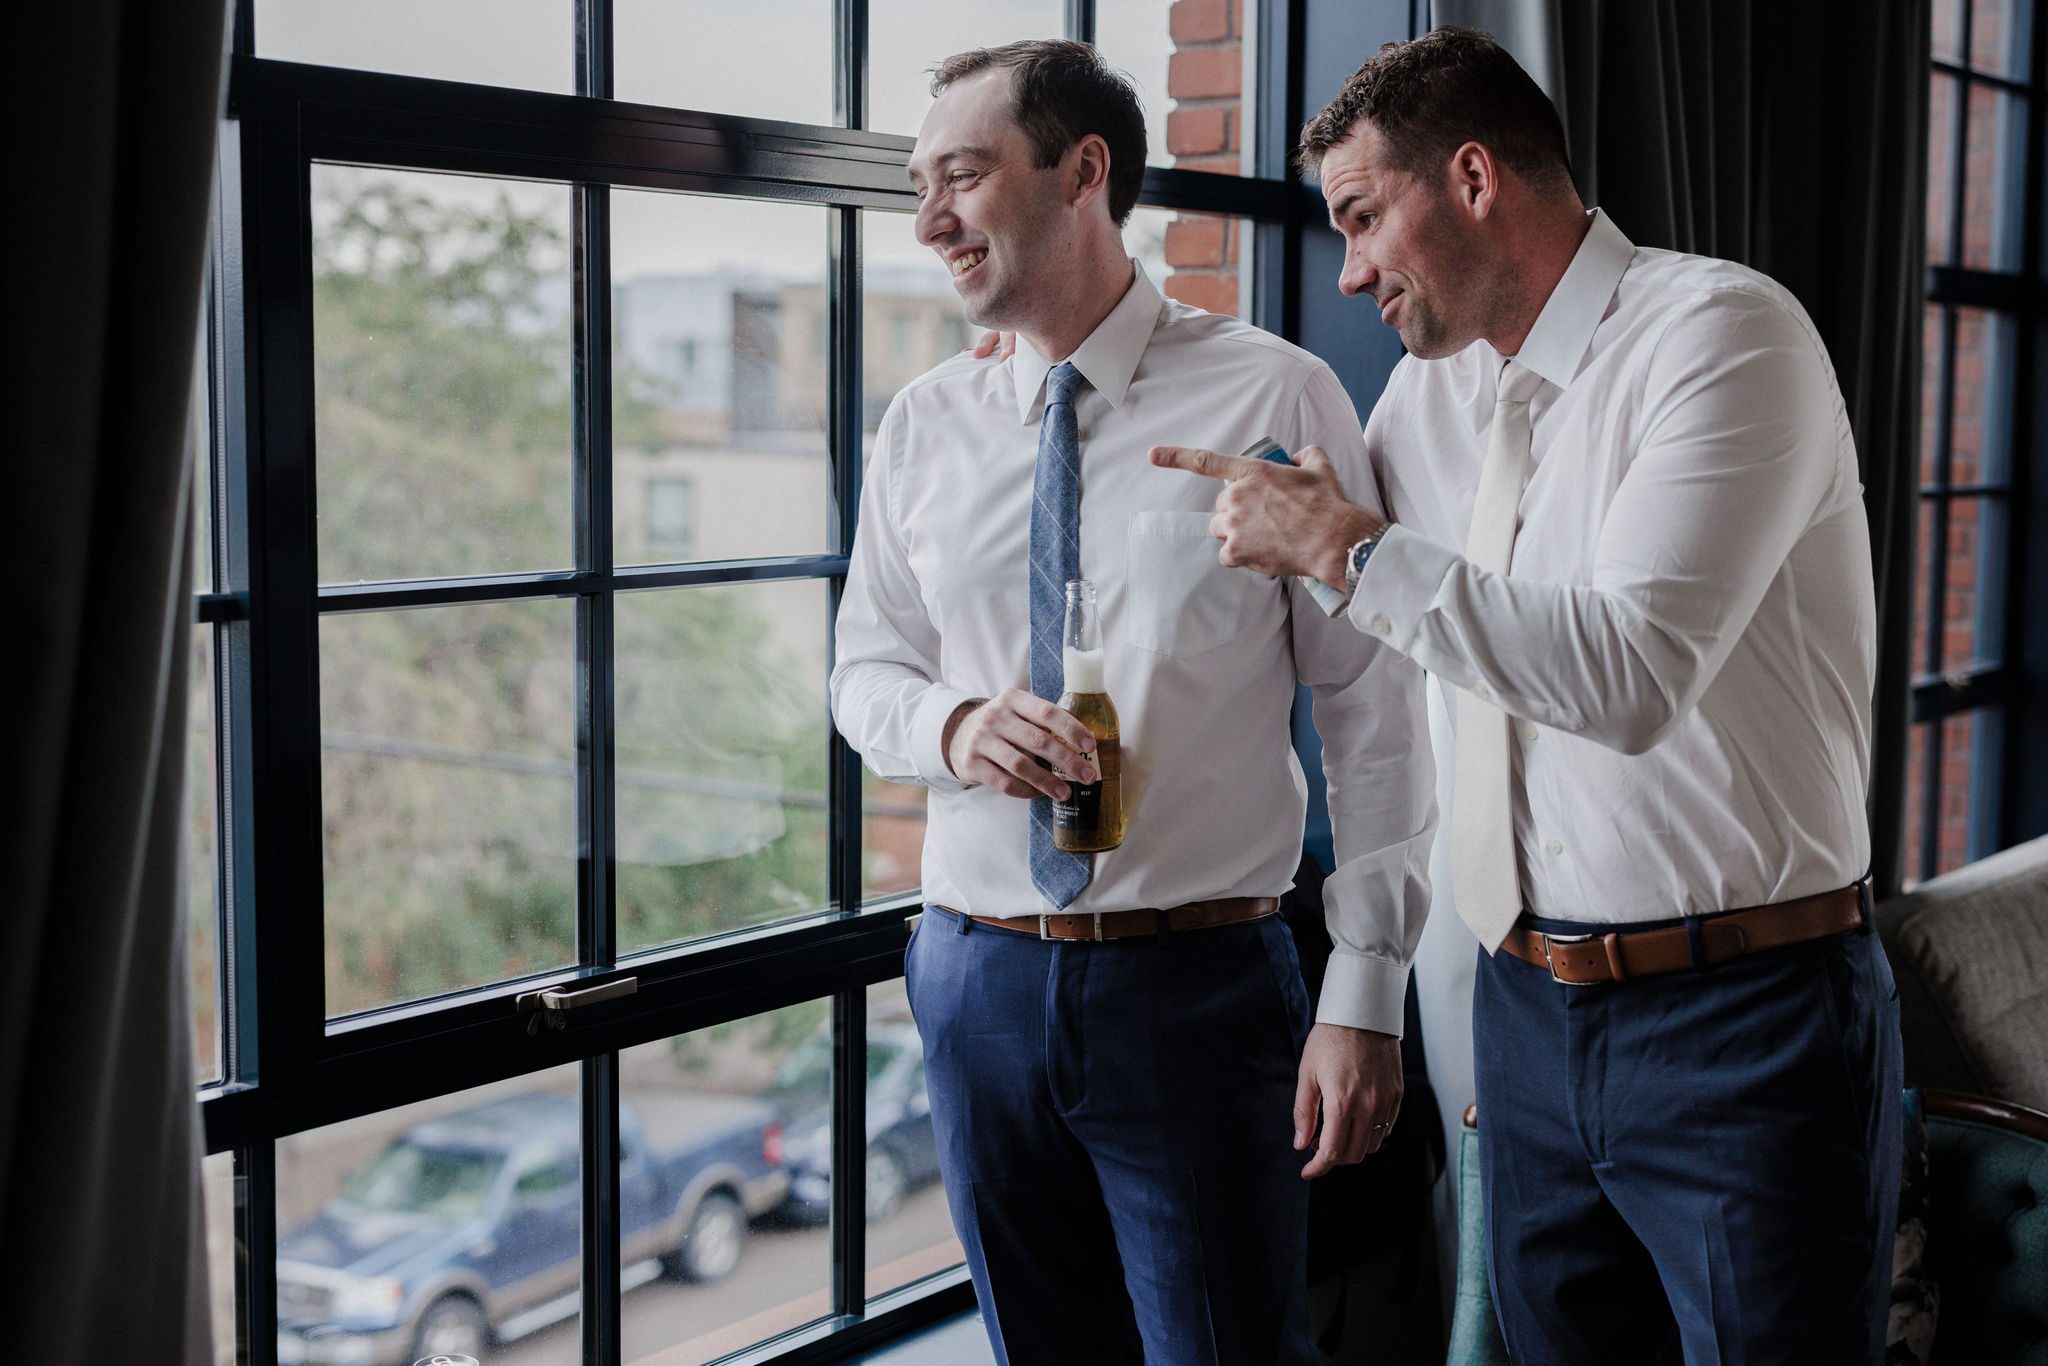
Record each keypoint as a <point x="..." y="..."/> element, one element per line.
<point x="1627" y="535"/>
<point x="1125" y="1083"/>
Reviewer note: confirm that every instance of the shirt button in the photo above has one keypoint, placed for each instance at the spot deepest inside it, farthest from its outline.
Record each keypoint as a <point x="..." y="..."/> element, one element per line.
<point x="1380" y="626"/>
<point x="1483" y="692"/>
<point x="1553" y="847"/>
<point x="1528" y="732"/>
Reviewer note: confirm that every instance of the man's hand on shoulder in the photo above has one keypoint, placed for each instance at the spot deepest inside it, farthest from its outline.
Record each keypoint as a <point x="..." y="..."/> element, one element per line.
<point x="1352" y="1078"/>
<point x="998" y="743"/>
<point x="1001" y="345"/>
<point x="1278" y="519"/>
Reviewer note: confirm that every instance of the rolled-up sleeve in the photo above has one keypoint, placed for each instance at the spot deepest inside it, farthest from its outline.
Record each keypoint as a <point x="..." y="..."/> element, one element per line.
<point x="1738" y="454"/>
<point x="1369" y="712"/>
<point x="887" y="695"/>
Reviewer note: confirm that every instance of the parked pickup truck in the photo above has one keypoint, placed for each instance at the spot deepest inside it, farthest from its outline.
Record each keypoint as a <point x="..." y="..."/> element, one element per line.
<point x="466" y="1230"/>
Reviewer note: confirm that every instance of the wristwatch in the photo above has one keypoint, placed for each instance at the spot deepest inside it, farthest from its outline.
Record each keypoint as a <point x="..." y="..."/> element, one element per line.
<point x="1355" y="561"/>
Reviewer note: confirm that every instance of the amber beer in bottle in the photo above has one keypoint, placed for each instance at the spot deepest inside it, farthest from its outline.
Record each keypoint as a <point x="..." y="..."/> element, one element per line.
<point x="1091" y="819"/>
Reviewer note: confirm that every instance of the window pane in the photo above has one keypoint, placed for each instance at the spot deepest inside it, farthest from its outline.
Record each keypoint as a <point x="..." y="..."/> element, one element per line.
<point x="721" y="746"/>
<point x="1930" y="391"/>
<point x="448" y="791"/>
<point x="719" y="376"/>
<point x="1201" y="259"/>
<point x="905" y="41"/>
<point x="892" y="837"/>
<point x="202" y="902"/>
<point x="910" y="1232"/>
<point x="1944" y="98"/>
<point x="525" y="43"/>
<point x="442" y="349"/>
<point x="1973" y="606"/>
<point x="1948" y="30"/>
<point x="217" y="1194"/>
<point x="1986" y="360"/>
<point x="1966" y="824"/>
<point x="911" y="319"/>
<point x="1923" y="576"/>
<point x="2000" y="34"/>
<point x="390" y="1225"/>
<point x="714" y="1124"/>
<point x="1192" y="62"/>
<point x="769" y="59"/>
<point x="1994" y="179"/>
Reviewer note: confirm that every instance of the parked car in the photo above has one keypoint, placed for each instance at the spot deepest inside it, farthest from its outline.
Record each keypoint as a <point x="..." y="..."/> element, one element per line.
<point x="467" y="1230"/>
<point x="902" y="1153"/>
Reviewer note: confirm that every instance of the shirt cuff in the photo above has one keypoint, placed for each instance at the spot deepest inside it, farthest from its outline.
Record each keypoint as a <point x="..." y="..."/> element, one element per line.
<point x="1363" y="993"/>
<point x="928" y="737"/>
<point x="1399" y="585"/>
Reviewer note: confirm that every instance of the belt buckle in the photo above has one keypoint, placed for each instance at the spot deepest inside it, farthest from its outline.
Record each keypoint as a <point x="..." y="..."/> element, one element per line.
<point x="1045" y="926"/>
<point x="1548" y="940"/>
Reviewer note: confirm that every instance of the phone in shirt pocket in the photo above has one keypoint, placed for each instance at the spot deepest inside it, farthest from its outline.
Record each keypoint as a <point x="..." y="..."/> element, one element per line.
<point x="1181" y="600"/>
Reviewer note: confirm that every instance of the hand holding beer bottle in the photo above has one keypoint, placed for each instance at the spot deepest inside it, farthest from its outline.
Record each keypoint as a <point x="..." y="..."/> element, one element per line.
<point x="1091" y="816"/>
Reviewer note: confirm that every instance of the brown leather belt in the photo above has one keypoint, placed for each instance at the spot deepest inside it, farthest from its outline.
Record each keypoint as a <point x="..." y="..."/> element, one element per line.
<point x="1196" y="915"/>
<point x="1584" y="959"/>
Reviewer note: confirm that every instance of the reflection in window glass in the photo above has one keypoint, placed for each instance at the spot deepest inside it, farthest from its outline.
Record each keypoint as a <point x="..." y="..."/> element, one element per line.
<point x="2000" y="35"/>
<point x="1191" y="62"/>
<point x="906" y="40"/>
<point x="448" y="798"/>
<point x="719" y="374"/>
<point x="441" y="353"/>
<point x="525" y="43"/>
<point x="1201" y="259"/>
<point x="217" y="1195"/>
<point x="910" y="1233"/>
<point x="714" y="1125"/>
<point x="453" y="1226"/>
<point x="766" y="59"/>
<point x="202" y="904"/>
<point x="721" y="803"/>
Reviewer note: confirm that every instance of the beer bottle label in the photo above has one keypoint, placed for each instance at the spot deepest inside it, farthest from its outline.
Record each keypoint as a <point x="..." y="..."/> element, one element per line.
<point x="1082" y="811"/>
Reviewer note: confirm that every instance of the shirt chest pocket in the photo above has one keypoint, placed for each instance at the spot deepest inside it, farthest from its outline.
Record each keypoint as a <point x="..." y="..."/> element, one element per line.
<point x="1181" y="601"/>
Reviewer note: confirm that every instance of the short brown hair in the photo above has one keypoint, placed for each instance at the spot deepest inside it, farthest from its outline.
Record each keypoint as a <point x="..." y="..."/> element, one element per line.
<point x="1065" y="91"/>
<point x="1431" y="96"/>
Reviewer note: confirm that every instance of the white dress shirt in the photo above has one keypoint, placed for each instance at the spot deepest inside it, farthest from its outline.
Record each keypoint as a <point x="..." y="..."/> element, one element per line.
<point x="1685" y="636"/>
<point x="1200" y="659"/>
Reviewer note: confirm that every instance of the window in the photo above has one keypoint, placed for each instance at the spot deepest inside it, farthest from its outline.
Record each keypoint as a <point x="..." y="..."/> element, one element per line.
<point x="530" y="863"/>
<point x="671" y="518"/>
<point x="1983" y="306"/>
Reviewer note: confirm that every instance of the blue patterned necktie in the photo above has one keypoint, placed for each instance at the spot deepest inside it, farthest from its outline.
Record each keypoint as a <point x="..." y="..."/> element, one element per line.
<point x="1055" y="558"/>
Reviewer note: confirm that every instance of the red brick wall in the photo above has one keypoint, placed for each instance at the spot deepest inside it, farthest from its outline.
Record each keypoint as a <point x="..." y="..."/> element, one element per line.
<point x="1205" y="132"/>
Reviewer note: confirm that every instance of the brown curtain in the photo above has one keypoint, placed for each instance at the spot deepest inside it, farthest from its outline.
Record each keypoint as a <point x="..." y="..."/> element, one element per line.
<point x="1790" y="137"/>
<point x="99" y="1149"/>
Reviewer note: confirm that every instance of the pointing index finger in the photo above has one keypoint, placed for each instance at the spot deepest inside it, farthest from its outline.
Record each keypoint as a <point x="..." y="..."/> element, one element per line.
<point x="1195" y="460"/>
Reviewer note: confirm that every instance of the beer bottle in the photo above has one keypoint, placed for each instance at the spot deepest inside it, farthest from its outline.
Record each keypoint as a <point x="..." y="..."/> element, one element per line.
<point x="1092" y="817"/>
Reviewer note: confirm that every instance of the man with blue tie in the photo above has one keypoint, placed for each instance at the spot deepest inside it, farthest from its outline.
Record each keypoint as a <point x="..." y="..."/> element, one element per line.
<point x="1123" y="1073"/>
<point x="1627" y="537"/>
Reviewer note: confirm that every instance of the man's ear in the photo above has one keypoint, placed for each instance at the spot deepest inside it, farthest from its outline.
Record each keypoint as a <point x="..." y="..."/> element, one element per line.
<point x="1088" y="170"/>
<point x="1474" y="179"/>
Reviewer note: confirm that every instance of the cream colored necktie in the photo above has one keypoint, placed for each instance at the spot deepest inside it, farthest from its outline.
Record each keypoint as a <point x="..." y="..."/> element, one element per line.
<point x="1484" y="871"/>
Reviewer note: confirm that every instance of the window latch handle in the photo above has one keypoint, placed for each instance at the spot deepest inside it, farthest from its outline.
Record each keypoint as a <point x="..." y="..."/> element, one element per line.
<point x="549" y="1009"/>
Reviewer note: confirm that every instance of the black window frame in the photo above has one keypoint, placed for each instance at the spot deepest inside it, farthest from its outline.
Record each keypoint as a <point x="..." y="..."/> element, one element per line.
<point x="287" y="1068"/>
<point x="2007" y="796"/>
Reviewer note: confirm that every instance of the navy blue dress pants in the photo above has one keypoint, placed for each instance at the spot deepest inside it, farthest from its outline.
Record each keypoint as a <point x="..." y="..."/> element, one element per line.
<point x="1703" y="1164"/>
<point x="1115" y="1131"/>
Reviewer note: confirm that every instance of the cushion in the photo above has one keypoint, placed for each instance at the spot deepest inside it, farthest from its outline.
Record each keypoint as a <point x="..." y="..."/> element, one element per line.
<point x="1970" y="951"/>
<point x="1987" y="1242"/>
